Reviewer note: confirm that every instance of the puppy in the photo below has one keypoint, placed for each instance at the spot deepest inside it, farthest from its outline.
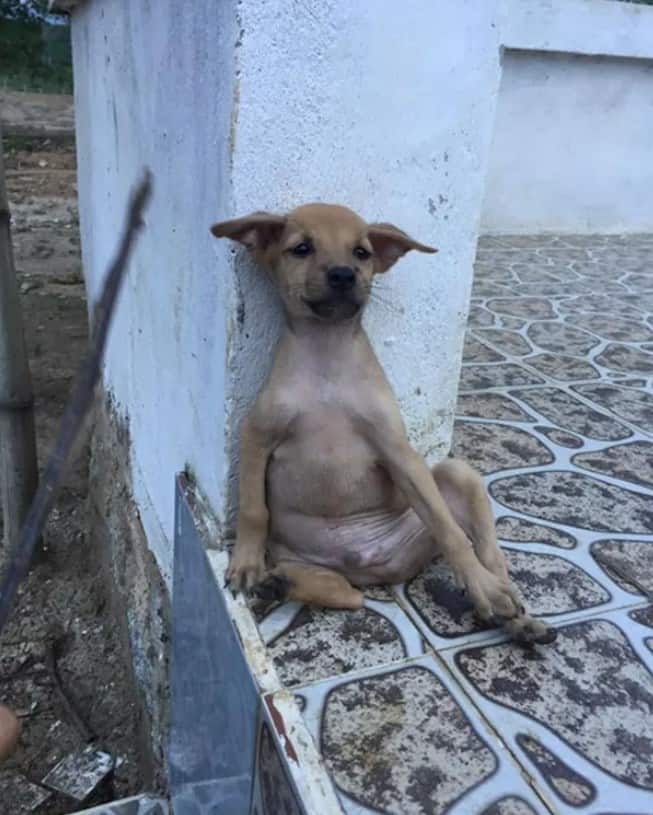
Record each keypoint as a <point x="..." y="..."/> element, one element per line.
<point x="329" y="485"/>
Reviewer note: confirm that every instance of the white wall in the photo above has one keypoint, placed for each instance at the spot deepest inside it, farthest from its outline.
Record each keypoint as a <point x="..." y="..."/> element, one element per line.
<point x="572" y="149"/>
<point x="235" y="106"/>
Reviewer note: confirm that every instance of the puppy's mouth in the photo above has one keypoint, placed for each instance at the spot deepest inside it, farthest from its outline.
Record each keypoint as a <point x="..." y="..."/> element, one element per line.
<point x="334" y="309"/>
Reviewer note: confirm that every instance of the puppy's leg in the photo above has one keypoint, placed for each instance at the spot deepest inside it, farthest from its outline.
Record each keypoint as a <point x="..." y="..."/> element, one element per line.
<point x="308" y="584"/>
<point x="464" y="492"/>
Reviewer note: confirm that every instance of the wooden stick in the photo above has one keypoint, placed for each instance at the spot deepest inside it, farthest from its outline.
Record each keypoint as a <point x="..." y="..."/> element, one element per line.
<point x="79" y="402"/>
<point x="18" y="468"/>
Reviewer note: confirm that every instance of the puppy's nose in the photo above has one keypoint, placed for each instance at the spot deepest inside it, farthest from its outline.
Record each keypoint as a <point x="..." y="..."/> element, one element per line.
<point x="341" y="278"/>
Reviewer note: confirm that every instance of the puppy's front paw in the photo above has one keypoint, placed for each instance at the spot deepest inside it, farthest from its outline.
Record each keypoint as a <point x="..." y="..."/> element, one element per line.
<point x="270" y="592"/>
<point x="493" y="597"/>
<point x="246" y="568"/>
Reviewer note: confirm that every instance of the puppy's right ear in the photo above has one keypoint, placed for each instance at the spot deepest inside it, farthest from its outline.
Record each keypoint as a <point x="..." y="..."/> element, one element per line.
<point x="256" y="231"/>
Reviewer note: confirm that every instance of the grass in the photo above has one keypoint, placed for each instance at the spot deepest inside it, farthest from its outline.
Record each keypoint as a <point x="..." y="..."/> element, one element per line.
<point x="35" y="57"/>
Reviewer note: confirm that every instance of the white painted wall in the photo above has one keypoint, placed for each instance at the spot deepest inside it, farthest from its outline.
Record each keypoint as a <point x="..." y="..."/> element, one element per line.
<point x="235" y="106"/>
<point x="572" y="149"/>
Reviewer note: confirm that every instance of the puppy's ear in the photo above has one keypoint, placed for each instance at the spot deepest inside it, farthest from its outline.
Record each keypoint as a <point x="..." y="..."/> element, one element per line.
<point x="390" y="243"/>
<point x="256" y="231"/>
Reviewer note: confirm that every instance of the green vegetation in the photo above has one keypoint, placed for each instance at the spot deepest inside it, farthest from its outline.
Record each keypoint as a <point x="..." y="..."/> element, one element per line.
<point x="34" y="48"/>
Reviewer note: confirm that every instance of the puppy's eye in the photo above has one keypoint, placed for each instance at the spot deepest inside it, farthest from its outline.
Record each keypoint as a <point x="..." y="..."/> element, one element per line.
<point x="361" y="253"/>
<point x="302" y="249"/>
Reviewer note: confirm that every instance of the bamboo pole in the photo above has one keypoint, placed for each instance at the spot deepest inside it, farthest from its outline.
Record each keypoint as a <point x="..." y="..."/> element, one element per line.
<point x="18" y="467"/>
<point x="79" y="403"/>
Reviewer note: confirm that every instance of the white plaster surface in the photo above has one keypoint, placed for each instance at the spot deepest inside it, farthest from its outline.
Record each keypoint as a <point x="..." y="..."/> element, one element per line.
<point x="572" y="148"/>
<point x="383" y="106"/>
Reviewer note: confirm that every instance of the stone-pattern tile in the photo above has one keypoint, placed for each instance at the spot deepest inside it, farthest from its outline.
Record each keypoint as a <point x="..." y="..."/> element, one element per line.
<point x="578" y="500"/>
<point x="626" y="359"/>
<point x="580" y="712"/>
<point x="476" y="351"/>
<point x="613" y="328"/>
<point x="563" y="438"/>
<point x="556" y="411"/>
<point x="497" y="447"/>
<point x="509" y="342"/>
<point x="530" y="308"/>
<point x="549" y="584"/>
<point x="568" y="784"/>
<point x="320" y="643"/>
<point x="491" y="406"/>
<point x="577" y="714"/>
<point x="361" y="737"/>
<point x="519" y="530"/>
<point x="563" y="368"/>
<point x="631" y="462"/>
<point x="635" y="406"/>
<point x="480" y="377"/>
<point x="403" y="741"/>
<point x="509" y="806"/>
<point x="569" y="413"/>
<point x="561" y="338"/>
<point x="628" y="562"/>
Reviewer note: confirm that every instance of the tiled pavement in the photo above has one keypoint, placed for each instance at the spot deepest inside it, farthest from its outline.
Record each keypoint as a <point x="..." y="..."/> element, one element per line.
<point x="413" y="707"/>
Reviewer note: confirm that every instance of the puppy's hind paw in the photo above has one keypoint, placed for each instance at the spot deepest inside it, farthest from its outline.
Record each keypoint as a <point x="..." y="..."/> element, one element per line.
<point x="528" y="631"/>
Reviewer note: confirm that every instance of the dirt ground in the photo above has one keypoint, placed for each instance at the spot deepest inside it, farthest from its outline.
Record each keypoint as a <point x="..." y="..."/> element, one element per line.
<point x="60" y="643"/>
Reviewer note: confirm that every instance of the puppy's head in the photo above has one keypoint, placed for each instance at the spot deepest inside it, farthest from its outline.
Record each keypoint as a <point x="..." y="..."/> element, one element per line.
<point x="323" y="257"/>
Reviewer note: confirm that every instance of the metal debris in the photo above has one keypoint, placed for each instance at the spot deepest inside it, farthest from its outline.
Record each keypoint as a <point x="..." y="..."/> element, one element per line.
<point x="80" y="774"/>
<point x="138" y="805"/>
<point x="25" y="797"/>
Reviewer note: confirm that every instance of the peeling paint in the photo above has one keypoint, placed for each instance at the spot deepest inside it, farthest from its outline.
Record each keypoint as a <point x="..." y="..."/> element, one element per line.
<point x="277" y="718"/>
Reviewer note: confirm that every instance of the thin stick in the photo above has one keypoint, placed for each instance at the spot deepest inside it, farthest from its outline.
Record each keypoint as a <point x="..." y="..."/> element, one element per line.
<point x="18" y="468"/>
<point x="79" y="402"/>
<point x="80" y="725"/>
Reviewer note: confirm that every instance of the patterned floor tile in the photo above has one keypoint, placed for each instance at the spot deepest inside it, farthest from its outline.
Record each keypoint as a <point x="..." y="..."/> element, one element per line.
<point x="635" y="406"/>
<point x="556" y="411"/>
<point x="578" y="500"/>
<point x="559" y="406"/>
<point x="530" y="308"/>
<point x="626" y="359"/>
<point x="578" y="714"/>
<point x="494" y="446"/>
<point x="632" y="462"/>
<point x="404" y="741"/>
<point x="561" y="338"/>
<point x="518" y="530"/>
<point x="509" y="342"/>
<point x="480" y="377"/>
<point x="491" y="406"/>
<point x="550" y="585"/>
<point x="563" y="368"/>
<point x="311" y="644"/>
<point x="476" y="351"/>
<point x="628" y="562"/>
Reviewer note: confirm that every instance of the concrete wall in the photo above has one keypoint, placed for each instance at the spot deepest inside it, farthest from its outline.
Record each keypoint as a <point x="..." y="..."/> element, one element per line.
<point x="238" y="106"/>
<point x="572" y="149"/>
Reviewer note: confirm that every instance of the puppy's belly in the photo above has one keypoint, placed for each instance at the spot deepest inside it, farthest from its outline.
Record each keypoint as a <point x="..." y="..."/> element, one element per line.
<point x="368" y="548"/>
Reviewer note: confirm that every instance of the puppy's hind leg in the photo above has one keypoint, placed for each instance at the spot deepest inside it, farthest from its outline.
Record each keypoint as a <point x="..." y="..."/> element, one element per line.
<point x="313" y="585"/>
<point x="464" y="492"/>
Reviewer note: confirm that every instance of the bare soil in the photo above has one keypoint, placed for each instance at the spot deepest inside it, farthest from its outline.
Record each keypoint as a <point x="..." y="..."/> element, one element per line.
<point x="62" y="666"/>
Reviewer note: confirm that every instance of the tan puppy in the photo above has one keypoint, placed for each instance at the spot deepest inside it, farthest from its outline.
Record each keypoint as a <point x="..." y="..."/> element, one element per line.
<point x="329" y="484"/>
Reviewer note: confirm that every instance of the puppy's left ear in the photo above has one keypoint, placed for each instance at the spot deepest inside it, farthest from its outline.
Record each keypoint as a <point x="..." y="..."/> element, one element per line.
<point x="256" y="231"/>
<point x="391" y="243"/>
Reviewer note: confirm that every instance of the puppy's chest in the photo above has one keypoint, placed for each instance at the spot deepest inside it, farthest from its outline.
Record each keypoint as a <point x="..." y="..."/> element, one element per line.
<point x="325" y="466"/>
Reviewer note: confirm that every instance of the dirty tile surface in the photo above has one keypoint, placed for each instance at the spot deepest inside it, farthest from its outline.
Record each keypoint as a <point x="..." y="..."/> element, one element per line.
<point x="556" y="411"/>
